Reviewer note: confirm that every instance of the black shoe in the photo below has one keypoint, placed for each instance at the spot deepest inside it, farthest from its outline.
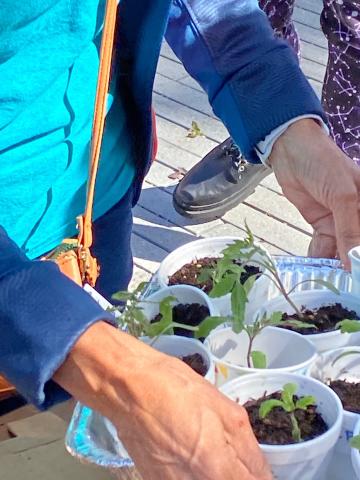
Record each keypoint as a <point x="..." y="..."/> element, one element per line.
<point x="219" y="182"/>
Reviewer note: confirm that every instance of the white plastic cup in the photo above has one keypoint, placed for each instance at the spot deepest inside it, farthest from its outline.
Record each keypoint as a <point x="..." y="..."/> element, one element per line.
<point x="354" y="256"/>
<point x="285" y="352"/>
<point x="177" y="346"/>
<point x="355" y="454"/>
<point x="212" y="247"/>
<point x="183" y="294"/>
<point x="345" y="368"/>
<point x="316" y="299"/>
<point x="301" y="461"/>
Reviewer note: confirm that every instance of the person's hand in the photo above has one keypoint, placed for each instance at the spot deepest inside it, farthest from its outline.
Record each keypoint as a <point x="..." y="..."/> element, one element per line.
<point x="174" y="424"/>
<point x="323" y="183"/>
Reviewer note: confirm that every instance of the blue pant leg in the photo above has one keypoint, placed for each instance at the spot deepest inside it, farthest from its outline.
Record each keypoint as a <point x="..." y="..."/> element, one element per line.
<point x="112" y="247"/>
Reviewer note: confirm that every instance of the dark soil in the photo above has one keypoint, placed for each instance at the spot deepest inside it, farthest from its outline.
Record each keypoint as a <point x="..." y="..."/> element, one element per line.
<point x="188" y="273"/>
<point x="324" y="318"/>
<point x="189" y="314"/>
<point x="197" y="363"/>
<point x="349" y="394"/>
<point x="275" y="428"/>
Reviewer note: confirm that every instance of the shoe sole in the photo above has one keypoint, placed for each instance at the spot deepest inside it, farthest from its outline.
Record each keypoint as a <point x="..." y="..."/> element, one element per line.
<point x="205" y="213"/>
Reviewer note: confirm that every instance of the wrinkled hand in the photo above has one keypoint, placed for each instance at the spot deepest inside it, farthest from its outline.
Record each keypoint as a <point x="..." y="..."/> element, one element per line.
<point x="323" y="183"/>
<point x="180" y="427"/>
<point x="174" y="424"/>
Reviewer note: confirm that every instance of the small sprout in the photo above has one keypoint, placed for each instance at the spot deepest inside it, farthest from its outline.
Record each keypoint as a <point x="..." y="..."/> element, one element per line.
<point x="355" y="442"/>
<point x="290" y="405"/>
<point x="349" y="326"/>
<point x="258" y="359"/>
<point x="131" y="317"/>
<point x="194" y="131"/>
<point x="226" y="278"/>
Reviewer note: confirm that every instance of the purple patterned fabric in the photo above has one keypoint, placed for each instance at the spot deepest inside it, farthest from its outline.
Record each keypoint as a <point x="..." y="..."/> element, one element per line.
<point x="340" y="21"/>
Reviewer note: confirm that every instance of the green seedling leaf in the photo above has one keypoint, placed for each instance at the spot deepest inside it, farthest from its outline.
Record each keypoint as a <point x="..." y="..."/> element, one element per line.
<point x="326" y="284"/>
<point x="233" y="250"/>
<point x="205" y="275"/>
<point x="305" y="402"/>
<point x="249" y="233"/>
<point x="345" y="354"/>
<point x="258" y="359"/>
<point x="165" y="325"/>
<point x="139" y="315"/>
<point x="123" y="296"/>
<point x="223" y="287"/>
<point x="268" y="405"/>
<point x="248" y="285"/>
<point x="275" y="318"/>
<point x="349" y="326"/>
<point x="299" y="324"/>
<point x="141" y="287"/>
<point x="238" y="301"/>
<point x="194" y="131"/>
<point x="166" y="307"/>
<point x="287" y="396"/>
<point x="208" y="324"/>
<point x="355" y="442"/>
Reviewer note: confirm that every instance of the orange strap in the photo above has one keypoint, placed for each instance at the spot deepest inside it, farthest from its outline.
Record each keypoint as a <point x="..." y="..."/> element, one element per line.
<point x="87" y="263"/>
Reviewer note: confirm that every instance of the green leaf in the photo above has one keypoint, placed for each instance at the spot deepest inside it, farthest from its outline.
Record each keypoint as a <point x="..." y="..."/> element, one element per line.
<point x="250" y="236"/>
<point x="355" y="442"/>
<point x="139" y="315"/>
<point x="156" y="329"/>
<point x="123" y="296"/>
<point x="205" y="275"/>
<point x="248" y="285"/>
<point x="349" y="326"/>
<point x="208" y="324"/>
<point x="275" y="318"/>
<point x="141" y="287"/>
<point x="194" y="131"/>
<point x="165" y="324"/>
<point x="287" y="396"/>
<point x="299" y="324"/>
<point x="238" y="301"/>
<point x="166" y="307"/>
<point x="326" y="284"/>
<point x="305" y="402"/>
<point x="258" y="359"/>
<point x="223" y="287"/>
<point x="268" y="405"/>
<point x="233" y="249"/>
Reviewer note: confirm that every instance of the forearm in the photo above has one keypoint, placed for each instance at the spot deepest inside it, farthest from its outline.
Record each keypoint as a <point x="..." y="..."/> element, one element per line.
<point x="99" y="368"/>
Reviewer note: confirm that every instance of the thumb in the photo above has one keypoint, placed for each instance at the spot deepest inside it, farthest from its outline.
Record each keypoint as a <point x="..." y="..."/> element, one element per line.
<point x="322" y="245"/>
<point x="347" y="229"/>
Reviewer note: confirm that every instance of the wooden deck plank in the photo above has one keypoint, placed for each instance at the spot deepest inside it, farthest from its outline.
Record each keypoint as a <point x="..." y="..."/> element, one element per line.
<point x="183" y="116"/>
<point x="310" y="5"/>
<point x="306" y="17"/>
<point x="275" y="232"/>
<point x="277" y="206"/>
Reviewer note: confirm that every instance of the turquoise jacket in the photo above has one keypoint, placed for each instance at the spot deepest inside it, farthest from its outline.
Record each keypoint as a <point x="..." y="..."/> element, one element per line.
<point x="254" y="85"/>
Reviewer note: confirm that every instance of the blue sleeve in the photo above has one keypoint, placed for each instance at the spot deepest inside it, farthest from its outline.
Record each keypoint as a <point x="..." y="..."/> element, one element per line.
<point x="42" y="314"/>
<point x="253" y="79"/>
